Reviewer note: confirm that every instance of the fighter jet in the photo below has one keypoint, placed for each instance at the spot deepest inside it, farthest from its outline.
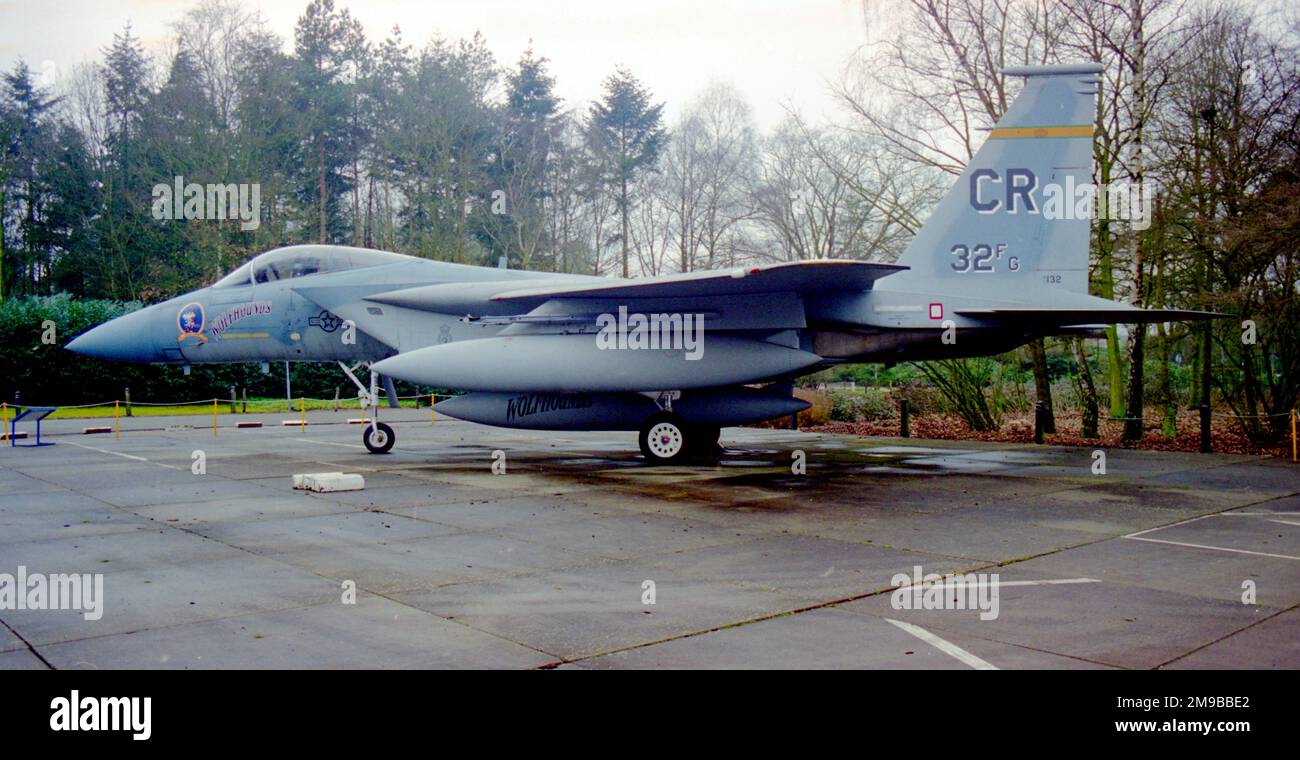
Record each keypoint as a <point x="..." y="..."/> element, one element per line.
<point x="1003" y="260"/>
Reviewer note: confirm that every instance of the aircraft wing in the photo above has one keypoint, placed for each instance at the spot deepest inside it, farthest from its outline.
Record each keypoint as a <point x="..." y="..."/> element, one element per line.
<point x="507" y="297"/>
<point x="799" y="276"/>
<point x="1103" y="316"/>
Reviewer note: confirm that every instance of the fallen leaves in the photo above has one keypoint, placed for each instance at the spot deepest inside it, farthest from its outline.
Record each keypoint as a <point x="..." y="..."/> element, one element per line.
<point x="1226" y="437"/>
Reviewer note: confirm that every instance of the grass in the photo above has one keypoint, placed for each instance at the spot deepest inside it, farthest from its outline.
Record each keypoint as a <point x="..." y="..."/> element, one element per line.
<point x="255" y="406"/>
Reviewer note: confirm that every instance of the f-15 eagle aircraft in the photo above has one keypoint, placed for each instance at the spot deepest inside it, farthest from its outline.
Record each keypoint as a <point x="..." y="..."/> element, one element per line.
<point x="676" y="357"/>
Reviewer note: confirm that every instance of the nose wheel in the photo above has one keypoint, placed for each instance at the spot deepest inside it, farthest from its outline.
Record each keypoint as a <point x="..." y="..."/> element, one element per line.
<point x="379" y="438"/>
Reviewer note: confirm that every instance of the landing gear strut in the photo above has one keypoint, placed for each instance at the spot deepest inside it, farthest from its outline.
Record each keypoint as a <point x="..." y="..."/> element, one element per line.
<point x="378" y="437"/>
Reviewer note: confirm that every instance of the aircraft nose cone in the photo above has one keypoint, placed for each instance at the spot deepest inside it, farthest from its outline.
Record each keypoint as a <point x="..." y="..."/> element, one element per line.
<point x="129" y="338"/>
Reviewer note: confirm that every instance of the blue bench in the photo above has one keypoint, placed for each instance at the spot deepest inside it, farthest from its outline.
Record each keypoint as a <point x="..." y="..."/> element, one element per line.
<point x="38" y="413"/>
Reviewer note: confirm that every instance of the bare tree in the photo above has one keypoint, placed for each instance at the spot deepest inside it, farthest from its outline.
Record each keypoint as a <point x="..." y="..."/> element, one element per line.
<point x="728" y="153"/>
<point x="891" y="192"/>
<point x="800" y="202"/>
<point x="650" y="227"/>
<point x="82" y="101"/>
<point x="1136" y="41"/>
<point x="1227" y="152"/>
<point x="932" y="87"/>
<point x="212" y="32"/>
<point x="682" y="187"/>
<point x="563" y="201"/>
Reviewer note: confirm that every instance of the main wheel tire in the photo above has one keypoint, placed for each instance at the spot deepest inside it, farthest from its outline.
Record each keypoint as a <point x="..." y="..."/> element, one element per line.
<point x="665" y="439"/>
<point x="704" y="441"/>
<point x="379" y="439"/>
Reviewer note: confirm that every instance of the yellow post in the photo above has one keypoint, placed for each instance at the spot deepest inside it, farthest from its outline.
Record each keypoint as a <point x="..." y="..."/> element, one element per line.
<point x="433" y="416"/>
<point x="117" y="433"/>
<point x="4" y="415"/>
<point x="302" y="406"/>
<point x="214" y="418"/>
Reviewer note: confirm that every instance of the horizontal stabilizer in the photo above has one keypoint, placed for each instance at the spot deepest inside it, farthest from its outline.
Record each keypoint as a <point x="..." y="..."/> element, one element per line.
<point x="1063" y="317"/>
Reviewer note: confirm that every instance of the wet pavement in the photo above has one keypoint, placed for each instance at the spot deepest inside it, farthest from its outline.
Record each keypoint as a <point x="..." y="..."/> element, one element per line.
<point x="781" y="553"/>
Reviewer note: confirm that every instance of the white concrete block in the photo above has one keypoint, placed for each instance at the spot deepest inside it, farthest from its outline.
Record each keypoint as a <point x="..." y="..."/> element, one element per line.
<point x="299" y="481"/>
<point x="327" y="482"/>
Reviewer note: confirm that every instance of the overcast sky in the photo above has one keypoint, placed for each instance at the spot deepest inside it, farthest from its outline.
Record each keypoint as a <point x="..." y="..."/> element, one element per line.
<point x="775" y="51"/>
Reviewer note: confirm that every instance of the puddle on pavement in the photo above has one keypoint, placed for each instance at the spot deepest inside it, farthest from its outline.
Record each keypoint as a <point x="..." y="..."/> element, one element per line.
<point x="751" y="473"/>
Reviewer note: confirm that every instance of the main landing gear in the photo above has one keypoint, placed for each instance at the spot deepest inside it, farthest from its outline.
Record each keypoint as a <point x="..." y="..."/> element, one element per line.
<point x="378" y="437"/>
<point x="667" y="438"/>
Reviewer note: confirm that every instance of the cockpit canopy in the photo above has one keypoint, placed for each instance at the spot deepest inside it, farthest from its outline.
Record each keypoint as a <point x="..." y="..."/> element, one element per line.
<point x="302" y="260"/>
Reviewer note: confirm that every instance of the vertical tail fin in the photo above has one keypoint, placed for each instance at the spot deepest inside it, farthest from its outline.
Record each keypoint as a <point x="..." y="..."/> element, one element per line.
<point x="1008" y="227"/>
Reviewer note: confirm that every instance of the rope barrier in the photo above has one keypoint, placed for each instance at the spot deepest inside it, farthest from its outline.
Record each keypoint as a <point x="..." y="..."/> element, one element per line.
<point x="204" y="402"/>
<point x="208" y="400"/>
<point x="433" y="397"/>
<point x="66" y="406"/>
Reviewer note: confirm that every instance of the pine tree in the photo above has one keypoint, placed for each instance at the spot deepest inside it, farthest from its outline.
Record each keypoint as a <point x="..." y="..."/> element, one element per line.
<point x="124" y="263"/>
<point x="625" y="134"/>
<point x="125" y="72"/>
<point x="520" y="171"/>
<point x="28" y="110"/>
<point x="182" y="136"/>
<point x="326" y="48"/>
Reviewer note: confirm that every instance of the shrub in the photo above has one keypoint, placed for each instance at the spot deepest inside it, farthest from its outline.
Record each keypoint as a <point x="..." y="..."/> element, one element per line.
<point x="820" y="411"/>
<point x="974" y="387"/>
<point x="865" y="404"/>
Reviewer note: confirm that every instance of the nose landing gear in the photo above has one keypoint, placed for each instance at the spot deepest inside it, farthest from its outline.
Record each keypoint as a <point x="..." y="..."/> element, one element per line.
<point x="378" y="437"/>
